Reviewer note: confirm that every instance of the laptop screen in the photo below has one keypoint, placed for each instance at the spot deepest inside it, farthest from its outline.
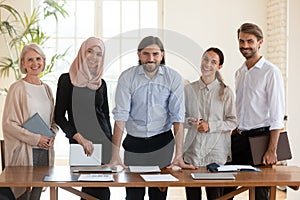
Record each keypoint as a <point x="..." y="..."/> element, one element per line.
<point x="79" y="158"/>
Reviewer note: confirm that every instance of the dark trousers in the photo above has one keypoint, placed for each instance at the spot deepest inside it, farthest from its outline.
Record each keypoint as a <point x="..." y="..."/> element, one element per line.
<point x="241" y="155"/>
<point x="40" y="158"/>
<point x="6" y="194"/>
<point x="195" y="193"/>
<point x="102" y="193"/>
<point x="156" y="150"/>
<point x="138" y="193"/>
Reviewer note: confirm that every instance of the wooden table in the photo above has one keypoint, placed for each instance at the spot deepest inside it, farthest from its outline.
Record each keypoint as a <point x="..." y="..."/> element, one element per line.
<point x="33" y="177"/>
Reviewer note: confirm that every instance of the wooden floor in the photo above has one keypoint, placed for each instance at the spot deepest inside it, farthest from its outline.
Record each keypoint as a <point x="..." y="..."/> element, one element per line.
<point x="174" y="193"/>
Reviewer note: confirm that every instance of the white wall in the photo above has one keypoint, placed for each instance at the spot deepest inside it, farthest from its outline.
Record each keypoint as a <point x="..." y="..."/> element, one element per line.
<point x="215" y="23"/>
<point x="293" y="99"/>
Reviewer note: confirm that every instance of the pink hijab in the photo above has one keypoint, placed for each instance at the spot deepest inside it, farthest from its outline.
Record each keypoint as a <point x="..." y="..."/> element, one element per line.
<point x="79" y="72"/>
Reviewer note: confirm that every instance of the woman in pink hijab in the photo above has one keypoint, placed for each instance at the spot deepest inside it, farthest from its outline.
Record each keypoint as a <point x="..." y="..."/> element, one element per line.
<point x="82" y="95"/>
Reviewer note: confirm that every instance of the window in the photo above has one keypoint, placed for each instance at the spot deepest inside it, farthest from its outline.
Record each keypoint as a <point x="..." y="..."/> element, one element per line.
<point x="118" y="22"/>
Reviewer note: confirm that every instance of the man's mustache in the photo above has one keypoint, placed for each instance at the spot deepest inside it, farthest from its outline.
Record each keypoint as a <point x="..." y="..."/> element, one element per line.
<point x="245" y="48"/>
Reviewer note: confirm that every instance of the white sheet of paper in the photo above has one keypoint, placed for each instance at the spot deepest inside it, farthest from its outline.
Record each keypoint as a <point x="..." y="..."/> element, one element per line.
<point x="96" y="177"/>
<point x="158" y="177"/>
<point x="143" y="169"/>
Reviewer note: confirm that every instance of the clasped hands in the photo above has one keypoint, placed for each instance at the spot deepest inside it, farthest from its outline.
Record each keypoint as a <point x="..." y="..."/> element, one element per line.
<point x="45" y="142"/>
<point x="201" y="125"/>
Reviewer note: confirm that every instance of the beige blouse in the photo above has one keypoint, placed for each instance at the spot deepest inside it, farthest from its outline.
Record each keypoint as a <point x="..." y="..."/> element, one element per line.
<point x="203" y="102"/>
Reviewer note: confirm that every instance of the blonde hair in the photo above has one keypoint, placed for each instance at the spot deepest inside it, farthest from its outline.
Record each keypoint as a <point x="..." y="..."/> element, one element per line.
<point x="25" y="50"/>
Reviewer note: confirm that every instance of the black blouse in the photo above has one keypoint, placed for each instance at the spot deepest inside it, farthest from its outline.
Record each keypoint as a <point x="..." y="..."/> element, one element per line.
<point x="64" y="104"/>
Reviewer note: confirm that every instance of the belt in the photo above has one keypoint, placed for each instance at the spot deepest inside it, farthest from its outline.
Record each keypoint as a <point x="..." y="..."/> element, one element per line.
<point x="253" y="132"/>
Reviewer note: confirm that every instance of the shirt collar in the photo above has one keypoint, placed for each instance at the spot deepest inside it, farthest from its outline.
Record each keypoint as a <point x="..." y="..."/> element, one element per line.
<point x="259" y="64"/>
<point x="209" y="86"/>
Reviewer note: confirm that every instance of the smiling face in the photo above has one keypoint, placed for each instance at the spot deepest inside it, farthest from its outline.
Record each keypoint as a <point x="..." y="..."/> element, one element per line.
<point x="249" y="45"/>
<point x="210" y="64"/>
<point x="93" y="56"/>
<point x="33" y="63"/>
<point x="151" y="57"/>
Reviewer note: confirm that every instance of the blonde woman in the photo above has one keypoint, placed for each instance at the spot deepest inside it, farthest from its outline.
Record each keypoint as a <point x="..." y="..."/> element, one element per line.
<point x="25" y="98"/>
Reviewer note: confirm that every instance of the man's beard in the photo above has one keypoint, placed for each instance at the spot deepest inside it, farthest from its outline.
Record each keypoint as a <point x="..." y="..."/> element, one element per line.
<point x="150" y="66"/>
<point x="248" y="55"/>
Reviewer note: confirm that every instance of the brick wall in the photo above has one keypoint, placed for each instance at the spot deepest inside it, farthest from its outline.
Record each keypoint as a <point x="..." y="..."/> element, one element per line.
<point x="276" y="34"/>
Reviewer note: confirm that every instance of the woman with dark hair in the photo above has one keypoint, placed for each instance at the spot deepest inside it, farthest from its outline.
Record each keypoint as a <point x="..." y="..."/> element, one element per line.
<point x="210" y="116"/>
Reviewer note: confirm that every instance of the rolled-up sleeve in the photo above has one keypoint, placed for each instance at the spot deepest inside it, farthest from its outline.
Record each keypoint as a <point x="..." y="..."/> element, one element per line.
<point x="122" y="99"/>
<point x="276" y="100"/>
<point x="176" y="104"/>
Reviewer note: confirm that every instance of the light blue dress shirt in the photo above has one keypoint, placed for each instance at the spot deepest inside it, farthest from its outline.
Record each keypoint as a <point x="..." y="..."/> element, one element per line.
<point x="149" y="106"/>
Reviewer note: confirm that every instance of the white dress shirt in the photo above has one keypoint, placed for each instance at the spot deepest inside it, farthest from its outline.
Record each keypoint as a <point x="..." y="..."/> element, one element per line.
<point x="259" y="96"/>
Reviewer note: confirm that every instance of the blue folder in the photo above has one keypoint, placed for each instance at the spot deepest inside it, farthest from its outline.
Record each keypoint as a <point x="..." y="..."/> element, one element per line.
<point x="36" y="124"/>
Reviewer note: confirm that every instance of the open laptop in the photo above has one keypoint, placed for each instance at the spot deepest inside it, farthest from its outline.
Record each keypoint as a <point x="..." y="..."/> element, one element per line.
<point x="80" y="162"/>
<point x="212" y="176"/>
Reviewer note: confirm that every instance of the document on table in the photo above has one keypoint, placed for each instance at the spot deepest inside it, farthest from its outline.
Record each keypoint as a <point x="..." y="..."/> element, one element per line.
<point x="96" y="177"/>
<point x="143" y="169"/>
<point x="237" y="168"/>
<point x="158" y="177"/>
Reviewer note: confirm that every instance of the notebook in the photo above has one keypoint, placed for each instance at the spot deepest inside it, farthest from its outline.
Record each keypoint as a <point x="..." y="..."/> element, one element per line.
<point x="259" y="146"/>
<point x="212" y="176"/>
<point x="36" y="124"/>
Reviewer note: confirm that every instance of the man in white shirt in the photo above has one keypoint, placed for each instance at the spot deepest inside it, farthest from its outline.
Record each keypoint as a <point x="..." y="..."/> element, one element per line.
<point x="259" y="102"/>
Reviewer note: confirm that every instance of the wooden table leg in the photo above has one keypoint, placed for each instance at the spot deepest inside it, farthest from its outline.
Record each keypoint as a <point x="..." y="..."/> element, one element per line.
<point x="233" y="193"/>
<point x="251" y="193"/>
<point x="79" y="193"/>
<point x="53" y="193"/>
<point x="273" y="193"/>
